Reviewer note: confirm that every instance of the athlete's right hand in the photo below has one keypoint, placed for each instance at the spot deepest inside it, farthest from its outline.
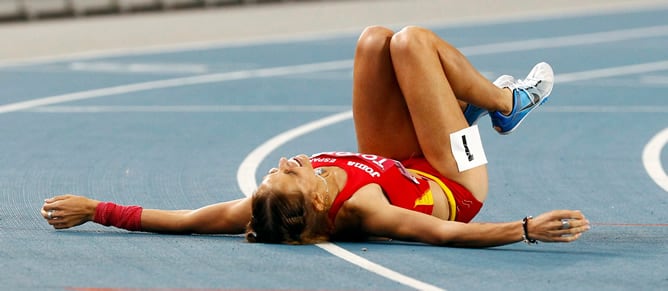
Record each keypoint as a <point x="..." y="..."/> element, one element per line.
<point x="68" y="210"/>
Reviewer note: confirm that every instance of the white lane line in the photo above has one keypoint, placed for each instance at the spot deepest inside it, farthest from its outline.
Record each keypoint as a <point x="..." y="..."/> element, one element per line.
<point x="253" y="161"/>
<point x="145" y="68"/>
<point x="177" y="82"/>
<point x="248" y="167"/>
<point x="378" y="269"/>
<point x="568" y="41"/>
<point x="346" y="64"/>
<point x="310" y="108"/>
<point x="651" y="156"/>
<point x="605" y="109"/>
<point x="247" y="183"/>
<point x="190" y="108"/>
<point x="651" y="159"/>
<point x="613" y="72"/>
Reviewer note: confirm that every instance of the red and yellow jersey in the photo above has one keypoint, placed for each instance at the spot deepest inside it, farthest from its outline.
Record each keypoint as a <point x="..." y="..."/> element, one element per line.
<point x="400" y="187"/>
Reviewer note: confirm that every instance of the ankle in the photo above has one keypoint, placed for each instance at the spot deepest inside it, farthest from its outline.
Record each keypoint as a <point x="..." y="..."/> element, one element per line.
<point x="506" y="106"/>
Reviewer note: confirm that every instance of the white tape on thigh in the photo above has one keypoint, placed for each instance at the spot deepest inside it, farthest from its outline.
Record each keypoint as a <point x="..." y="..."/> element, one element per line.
<point x="467" y="148"/>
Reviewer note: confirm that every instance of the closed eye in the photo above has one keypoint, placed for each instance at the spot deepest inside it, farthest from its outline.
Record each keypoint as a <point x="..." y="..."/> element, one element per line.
<point x="290" y="172"/>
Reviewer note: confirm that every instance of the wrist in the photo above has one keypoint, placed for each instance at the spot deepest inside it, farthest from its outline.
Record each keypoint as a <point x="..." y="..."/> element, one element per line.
<point x="91" y="209"/>
<point x="121" y="216"/>
<point x="525" y="231"/>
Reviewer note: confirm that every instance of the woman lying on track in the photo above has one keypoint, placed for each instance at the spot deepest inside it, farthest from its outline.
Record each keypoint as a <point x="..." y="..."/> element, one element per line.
<point x="420" y="173"/>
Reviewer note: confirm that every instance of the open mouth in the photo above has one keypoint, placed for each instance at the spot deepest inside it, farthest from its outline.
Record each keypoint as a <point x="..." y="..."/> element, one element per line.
<point x="296" y="161"/>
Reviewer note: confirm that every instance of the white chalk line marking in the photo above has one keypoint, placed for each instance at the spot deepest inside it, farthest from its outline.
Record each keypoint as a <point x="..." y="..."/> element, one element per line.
<point x="177" y="82"/>
<point x="247" y="183"/>
<point x="567" y="41"/>
<point x="147" y="68"/>
<point x="651" y="159"/>
<point x="347" y="64"/>
<point x="309" y="108"/>
<point x="280" y="71"/>
<point x="651" y="156"/>
<point x="248" y="168"/>
<point x="190" y="108"/>
<point x="612" y="72"/>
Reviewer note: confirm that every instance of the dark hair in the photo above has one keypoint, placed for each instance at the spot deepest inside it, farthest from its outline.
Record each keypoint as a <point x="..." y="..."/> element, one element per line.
<point x="276" y="217"/>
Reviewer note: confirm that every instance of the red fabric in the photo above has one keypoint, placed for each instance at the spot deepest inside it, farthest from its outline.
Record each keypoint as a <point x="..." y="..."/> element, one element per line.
<point x="400" y="188"/>
<point x="125" y="217"/>
<point x="467" y="205"/>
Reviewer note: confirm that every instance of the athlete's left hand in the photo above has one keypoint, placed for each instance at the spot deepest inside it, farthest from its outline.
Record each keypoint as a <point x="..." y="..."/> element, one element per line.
<point x="558" y="226"/>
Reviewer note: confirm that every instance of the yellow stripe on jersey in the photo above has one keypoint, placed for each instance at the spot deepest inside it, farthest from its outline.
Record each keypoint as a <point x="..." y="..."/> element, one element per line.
<point x="446" y="190"/>
<point x="426" y="199"/>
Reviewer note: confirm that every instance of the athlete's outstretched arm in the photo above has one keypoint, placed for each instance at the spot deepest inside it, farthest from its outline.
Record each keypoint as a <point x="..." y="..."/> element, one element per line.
<point x="402" y="224"/>
<point x="229" y="217"/>
<point x="379" y="218"/>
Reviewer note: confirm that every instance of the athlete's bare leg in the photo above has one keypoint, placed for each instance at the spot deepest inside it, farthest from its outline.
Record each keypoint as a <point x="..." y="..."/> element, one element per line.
<point x="412" y="108"/>
<point x="382" y="122"/>
<point x="432" y="76"/>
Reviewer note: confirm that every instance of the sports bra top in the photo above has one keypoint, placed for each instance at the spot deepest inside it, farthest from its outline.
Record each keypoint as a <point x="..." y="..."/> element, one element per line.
<point x="400" y="187"/>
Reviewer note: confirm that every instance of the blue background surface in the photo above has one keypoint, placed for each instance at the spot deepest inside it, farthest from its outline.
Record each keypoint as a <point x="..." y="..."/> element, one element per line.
<point x="180" y="147"/>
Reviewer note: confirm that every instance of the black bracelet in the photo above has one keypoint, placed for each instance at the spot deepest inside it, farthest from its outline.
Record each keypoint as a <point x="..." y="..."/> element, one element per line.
<point x="525" y="236"/>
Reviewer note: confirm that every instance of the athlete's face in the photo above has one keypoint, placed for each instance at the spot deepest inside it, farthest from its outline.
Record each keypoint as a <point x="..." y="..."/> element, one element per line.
<point x="288" y="203"/>
<point x="293" y="176"/>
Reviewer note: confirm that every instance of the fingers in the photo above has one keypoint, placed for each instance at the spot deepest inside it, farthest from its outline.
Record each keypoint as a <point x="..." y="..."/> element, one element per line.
<point x="54" y="203"/>
<point x="565" y="224"/>
<point x="568" y="238"/>
<point x="560" y="226"/>
<point x="60" y="225"/>
<point x="44" y="213"/>
<point x="572" y="230"/>
<point x="56" y="220"/>
<point x="50" y="215"/>
<point x="567" y="214"/>
<point x="49" y="206"/>
<point x="66" y="211"/>
<point x="51" y="218"/>
<point x="56" y="198"/>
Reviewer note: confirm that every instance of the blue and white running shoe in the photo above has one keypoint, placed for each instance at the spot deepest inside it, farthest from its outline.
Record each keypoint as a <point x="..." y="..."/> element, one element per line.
<point x="473" y="113"/>
<point x="528" y="94"/>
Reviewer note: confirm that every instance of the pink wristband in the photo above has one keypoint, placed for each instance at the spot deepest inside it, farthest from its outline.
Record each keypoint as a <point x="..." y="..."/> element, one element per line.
<point x="125" y="217"/>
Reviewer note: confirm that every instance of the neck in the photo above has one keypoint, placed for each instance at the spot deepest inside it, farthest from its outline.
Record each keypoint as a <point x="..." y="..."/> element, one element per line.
<point x="323" y="217"/>
<point x="324" y="181"/>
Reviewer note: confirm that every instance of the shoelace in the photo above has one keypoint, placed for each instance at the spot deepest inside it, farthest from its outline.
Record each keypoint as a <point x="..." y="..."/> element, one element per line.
<point x="526" y="83"/>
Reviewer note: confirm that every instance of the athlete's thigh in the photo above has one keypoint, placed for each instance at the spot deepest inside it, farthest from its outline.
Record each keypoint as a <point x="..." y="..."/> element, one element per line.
<point x="383" y="127"/>
<point x="382" y="121"/>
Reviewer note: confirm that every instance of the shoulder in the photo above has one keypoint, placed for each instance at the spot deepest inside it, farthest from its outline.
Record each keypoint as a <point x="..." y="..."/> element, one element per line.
<point x="369" y="197"/>
<point x="353" y="213"/>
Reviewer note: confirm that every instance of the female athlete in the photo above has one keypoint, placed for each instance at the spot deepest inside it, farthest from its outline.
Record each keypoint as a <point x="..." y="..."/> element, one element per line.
<point x="420" y="173"/>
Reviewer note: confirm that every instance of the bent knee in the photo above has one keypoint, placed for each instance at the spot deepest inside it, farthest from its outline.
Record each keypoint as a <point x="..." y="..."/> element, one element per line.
<point x="374" y="38"/>
<point x="411" y="37"/>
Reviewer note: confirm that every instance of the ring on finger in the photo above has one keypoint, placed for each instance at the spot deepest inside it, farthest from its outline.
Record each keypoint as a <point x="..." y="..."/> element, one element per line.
<point x="49" y="214"/>
<point x="565" y="224"/>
